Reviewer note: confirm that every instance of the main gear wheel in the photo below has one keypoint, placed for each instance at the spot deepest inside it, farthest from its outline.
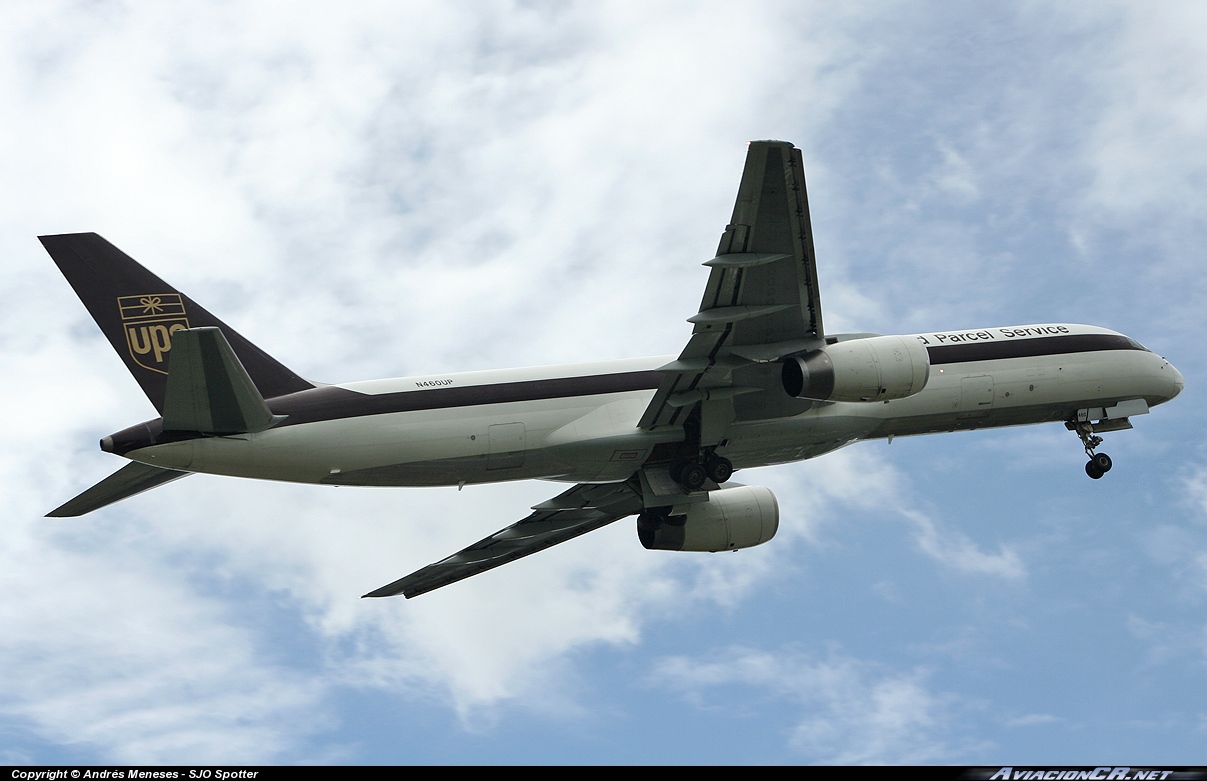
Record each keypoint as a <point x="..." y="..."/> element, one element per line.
<point x="719" y="468"/>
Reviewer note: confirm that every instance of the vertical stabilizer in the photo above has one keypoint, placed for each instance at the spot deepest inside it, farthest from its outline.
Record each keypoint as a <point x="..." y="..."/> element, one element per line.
<point x="139" y="312"/>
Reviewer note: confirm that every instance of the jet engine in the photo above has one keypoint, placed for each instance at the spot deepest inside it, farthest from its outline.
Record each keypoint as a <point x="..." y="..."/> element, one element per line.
<point x="732" y="518"/>
<point x="874" y="369"/>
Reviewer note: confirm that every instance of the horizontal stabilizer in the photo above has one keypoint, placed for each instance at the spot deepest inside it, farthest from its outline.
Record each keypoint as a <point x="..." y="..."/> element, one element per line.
<point x="208" y="389"/>
<point x="131" y="479"/>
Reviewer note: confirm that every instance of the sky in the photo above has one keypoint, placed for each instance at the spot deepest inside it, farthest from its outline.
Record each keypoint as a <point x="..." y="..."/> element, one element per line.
<point x="394" y="188"/>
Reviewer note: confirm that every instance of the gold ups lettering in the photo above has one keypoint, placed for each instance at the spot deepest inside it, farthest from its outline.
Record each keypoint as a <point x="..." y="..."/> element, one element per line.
<point x="149" y="322"/>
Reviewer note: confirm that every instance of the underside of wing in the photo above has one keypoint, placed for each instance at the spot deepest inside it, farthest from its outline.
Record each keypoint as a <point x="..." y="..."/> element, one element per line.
<point x="582" y="509"/>
<point x="761" y="303"/>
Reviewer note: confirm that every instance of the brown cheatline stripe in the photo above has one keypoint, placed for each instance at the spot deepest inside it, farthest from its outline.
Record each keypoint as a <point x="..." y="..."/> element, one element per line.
<point x="1027" y="348"/>
<point x="334" y="403"/>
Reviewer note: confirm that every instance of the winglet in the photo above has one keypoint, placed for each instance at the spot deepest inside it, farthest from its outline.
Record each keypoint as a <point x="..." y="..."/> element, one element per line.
<point x="209" y="390"/>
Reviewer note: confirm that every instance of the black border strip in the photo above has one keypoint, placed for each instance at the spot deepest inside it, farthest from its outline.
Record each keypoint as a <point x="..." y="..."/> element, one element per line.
<point x="335" y="403"/>
<point x="1029" y="348"/>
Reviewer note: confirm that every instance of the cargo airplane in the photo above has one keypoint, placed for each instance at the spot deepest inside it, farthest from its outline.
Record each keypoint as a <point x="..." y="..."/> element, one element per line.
<point x="759" y="382"/>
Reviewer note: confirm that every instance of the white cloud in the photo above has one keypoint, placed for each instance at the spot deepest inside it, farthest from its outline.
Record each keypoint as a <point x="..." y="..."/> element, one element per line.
<point x="1148" y="149"/>
<point x="954" y="549"/>
<point x="382" y="189"/>
<point x="956" y="175"/>
<point x="851" y="711"/>
<point x="1145" y="160"/>
<point x="366" y="191"/>
<point x="1196" y="489"/>
<point x="858" y="478"/>
<point x="103" y="649"/>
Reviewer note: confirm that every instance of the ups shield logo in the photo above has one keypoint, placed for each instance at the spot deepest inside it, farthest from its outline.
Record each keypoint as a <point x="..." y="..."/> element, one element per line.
<point x="149" y="322"/>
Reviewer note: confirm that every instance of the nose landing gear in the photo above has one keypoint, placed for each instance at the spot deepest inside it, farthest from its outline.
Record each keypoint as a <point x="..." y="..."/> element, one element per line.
<point x="1099" y="463"/>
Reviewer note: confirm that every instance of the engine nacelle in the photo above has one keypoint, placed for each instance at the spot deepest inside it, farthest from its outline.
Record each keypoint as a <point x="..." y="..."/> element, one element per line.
<point x="874" y="369"/>
<point x="732" y="518"/>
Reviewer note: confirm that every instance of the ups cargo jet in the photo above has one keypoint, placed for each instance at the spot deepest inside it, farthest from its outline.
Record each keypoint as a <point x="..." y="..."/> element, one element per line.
<point x="759" y="382"/>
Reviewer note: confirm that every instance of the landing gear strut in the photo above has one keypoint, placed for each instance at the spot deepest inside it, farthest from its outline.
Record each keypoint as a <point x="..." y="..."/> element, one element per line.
<point x="1099" y="463"/>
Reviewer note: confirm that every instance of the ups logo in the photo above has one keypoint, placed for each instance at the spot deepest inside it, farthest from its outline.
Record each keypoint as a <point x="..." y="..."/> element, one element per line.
<point x="149" y="322"/>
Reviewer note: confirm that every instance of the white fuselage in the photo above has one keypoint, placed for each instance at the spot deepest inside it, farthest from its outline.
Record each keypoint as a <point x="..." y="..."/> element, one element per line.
<point x="578" y="423"/>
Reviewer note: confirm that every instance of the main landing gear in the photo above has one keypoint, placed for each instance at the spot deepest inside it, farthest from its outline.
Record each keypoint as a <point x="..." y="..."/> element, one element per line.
<point x="693" y="474"/>
<point x="1099" y="463"/>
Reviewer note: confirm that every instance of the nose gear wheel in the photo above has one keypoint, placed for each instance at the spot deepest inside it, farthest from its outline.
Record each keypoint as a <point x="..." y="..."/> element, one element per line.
<point x="1099" y="463"/>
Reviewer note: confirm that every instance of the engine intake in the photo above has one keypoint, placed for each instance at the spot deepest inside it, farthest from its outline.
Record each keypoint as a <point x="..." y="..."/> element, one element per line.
<point x="732" y="518"/>
<point x="875" y="369"/>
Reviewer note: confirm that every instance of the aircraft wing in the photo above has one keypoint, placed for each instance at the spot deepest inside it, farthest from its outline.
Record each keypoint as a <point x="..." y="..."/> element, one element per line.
<point x="583" y="508"/>
<point x="761" y="303"/>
